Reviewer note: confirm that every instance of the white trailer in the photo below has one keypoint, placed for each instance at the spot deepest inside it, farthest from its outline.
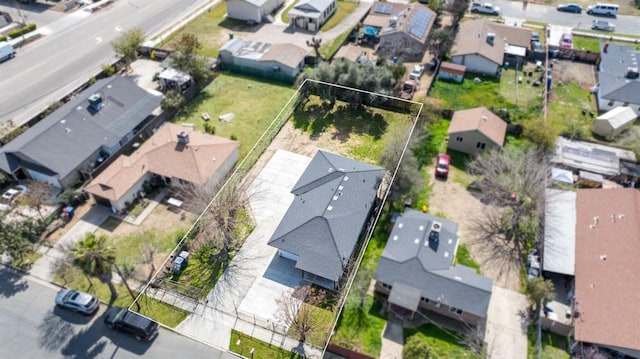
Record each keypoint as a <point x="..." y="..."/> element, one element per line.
<point x="6" y="51"/>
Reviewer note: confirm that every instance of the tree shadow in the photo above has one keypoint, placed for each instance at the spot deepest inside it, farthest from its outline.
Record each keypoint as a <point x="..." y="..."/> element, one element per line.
<point x="56" y="328"/>
<point x="11" y="282"/>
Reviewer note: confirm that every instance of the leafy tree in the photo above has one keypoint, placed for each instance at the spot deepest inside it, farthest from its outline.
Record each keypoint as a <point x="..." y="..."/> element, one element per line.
<point x="539" y="291"/>
<point x="185" y="58"/>
<point x="409" y="180"/>
<point x="457" y="8"/>
<point x="543" y="133"/>
<point x="37" y="196"/>
<point x="296" y="310"/>
<point x="415" y="348"/>
<point x="439" y="42"/>
<point x="96" y="258"/>
<point x="17" y="237"/>
<point x="435" y="5"/>
<point x="172" y="100"/>
<point x="127" y="44"/>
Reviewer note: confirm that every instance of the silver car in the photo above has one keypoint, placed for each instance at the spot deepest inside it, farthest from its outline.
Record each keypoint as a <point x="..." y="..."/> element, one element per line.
<point x="603" y="25"/>
<point x="77" y="301"/>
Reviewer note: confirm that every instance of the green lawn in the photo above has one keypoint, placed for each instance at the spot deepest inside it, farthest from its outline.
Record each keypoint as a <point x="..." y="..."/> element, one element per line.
<point x="443" y="344"/>
<point x="283" y="16"/>
<point x="27" y="261"/>
<point x="254" y="102"/>
<point x="345" y="8"/>
<point x="162" y="312"/>
<point x="319" y="336"/>
<point x="261" y="349"/>
<point x="554" y="346"/>
<point x="464" y="257"/>
<point x="569" y="99"/>
<point x="593" y="44"/>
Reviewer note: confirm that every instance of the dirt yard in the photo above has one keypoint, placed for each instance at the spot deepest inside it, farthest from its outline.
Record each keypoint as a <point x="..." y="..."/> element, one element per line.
<point x="567" y="71"/>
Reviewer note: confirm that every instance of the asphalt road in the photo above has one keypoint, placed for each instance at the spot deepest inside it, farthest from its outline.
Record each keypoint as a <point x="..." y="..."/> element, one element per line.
<point x="32" y="327"/>
<point x="74" y="49"/>
<point x="513" y="9"/>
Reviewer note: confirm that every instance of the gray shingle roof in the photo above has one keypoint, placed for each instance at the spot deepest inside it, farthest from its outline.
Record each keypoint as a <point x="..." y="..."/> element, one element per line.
<point x="612" y="70"/>
<point x="333" y="199"/>
<point x="65" y="139"/>
<point x="414" y="257"/>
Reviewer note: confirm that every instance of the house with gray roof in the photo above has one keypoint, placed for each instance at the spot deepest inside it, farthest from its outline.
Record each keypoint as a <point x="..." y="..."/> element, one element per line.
<point x="311" y="14"/>
<point x="252" y="10"/>
<point x="322" y="227"/>
<point x="416" y="271"/>
<point x="70" y="143"/>
<point x="618" y="77"/>
<point x="280" y="62"/>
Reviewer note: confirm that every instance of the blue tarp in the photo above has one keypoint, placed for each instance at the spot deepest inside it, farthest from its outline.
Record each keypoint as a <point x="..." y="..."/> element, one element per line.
<point x="371" y="31"/>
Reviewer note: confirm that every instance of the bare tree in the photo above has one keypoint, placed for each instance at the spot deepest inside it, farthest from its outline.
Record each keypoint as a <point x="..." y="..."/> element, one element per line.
<point x="37" y="196"/>
<point x="295" y="309"/>
<point x="147" y="257"/>
<point x="315" y="43"/>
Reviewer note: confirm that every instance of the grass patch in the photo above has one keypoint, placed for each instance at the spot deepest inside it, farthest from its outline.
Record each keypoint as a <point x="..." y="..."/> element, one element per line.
<point x="565" y="109"/>
<point x="520" y="93"/>
<point x="319" y="336"/>
<point x="159" y="311"/>
<point x="554" y="346"/>
<point x="202" y="272"/>
<point x="283" y="16"/>
<point x="261" y="349"/>
<point x="443" y="344"/>
<point x="534" y="23"/>
<point x="593" y="43"/>
<point x="27" y="260"/>
<point x="464" y="257"/>
<point x="345" y="8"/>
<point x="232" y="93"/>
<point x="608" y="34"/>
<point x="110" y="224"/>
<point x="329" y="48"/>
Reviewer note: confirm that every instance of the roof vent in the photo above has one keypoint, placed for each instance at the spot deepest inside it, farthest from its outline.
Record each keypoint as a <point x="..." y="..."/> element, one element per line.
<point x="330" y="208"/>
<point x="393" y="20"/>
<point x="395" y="237"/>
<point x="183" y="137"/>
<point x="421" y="228"/>
<point x="490" y="37"/>
<point x="416" y="241"/>
<point x="436" y="227"/>
<point x="95" y="102"/>
<point x="632" y="73"/>
<point x="485" y="118"/>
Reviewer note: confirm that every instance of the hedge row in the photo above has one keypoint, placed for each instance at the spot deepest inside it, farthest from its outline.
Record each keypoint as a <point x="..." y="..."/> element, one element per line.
<point x="21" y="31"/>
<point x="3" y="38"/>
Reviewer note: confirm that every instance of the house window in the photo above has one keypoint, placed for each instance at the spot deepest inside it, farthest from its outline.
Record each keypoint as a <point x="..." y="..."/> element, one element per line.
<point x="480" y="145"/>
<point x="625" y="104"/>
<point x="610" y="103"/>
<point x="387" y="286"/>
<point x="426" y="300"/>
<point x="456" y="310"/>
<point x="459" y="138"/>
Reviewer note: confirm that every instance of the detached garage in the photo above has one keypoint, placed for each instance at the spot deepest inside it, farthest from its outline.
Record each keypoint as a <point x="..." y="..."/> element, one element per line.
<point x="614" y="122"/>
<point x="252" y="10"/>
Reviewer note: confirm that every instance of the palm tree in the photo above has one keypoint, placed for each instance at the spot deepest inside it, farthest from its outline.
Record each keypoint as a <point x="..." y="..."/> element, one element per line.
<point x="95" y="258"/>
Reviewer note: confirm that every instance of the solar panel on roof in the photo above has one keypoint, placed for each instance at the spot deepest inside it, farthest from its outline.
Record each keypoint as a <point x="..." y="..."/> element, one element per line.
<point x="420" y="23"/>
<point x="383" y="9"/>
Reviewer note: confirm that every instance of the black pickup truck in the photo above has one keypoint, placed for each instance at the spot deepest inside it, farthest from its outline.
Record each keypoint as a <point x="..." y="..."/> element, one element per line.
<point x="141" y="327"/>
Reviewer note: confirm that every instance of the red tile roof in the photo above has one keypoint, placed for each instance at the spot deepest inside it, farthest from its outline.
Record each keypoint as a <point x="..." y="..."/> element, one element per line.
<point x="607" y="282"/>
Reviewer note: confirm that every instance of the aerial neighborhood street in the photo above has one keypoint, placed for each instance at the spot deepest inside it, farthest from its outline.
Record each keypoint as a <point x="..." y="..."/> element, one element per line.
<point x="319" y="179"/>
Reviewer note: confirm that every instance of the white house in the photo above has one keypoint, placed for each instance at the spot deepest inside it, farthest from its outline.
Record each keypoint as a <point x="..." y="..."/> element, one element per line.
<point x="614" y="122"/>
<point x="251" y="10"/>
<point x="311" y="14"/>
<point x="618" y="78"/>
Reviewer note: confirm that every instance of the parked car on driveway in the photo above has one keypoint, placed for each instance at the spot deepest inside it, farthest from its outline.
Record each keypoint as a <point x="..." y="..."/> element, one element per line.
<point x="13" y="193"/>
<point x="442" y="165"/>
<point x="536" y="47"/>
<point x="603" y="25"/>
<point x="570" y="7"/>
<point x="485" y="8"/>
<point x="141" y="327"/>
<point x="416" y="72"/>
<point x="77" y="301"/>
<point x="566" y="41"/>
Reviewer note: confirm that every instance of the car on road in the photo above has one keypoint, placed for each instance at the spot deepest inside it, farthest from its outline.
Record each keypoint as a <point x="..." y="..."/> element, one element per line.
<point x="442" y="165"/>
<point x="123" y="319"/>
<point x="416" y="72"/>
<point x="566" y="41"/>
<point x="603" y="25"/>
<point x="485" y="8"/>
<point x="570" y="7"/>
<point x="77" y="301"/>
<point x="13" y="193"/>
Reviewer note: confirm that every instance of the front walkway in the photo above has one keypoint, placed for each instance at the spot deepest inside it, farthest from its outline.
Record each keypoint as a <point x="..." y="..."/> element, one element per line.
<point x="392" y="340"/>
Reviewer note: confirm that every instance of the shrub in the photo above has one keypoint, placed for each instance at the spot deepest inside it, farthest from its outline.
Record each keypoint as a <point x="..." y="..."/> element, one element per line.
<point x="21" y="31"/>
<point x="3" y="38"/>
<point x="209" y="128"/>
<point x="542" y="133"/>
<point x="234" y="138"/>
<point x="108" y="70"/>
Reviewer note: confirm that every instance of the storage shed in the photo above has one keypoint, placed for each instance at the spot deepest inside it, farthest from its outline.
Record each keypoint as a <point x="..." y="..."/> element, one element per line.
<point x="451" y="72"/>
<point x="614" y="122"/>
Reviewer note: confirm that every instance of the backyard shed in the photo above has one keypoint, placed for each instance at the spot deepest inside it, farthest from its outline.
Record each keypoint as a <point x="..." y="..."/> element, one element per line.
<point x="614" y="122"/>
<point x="452" y="72"/>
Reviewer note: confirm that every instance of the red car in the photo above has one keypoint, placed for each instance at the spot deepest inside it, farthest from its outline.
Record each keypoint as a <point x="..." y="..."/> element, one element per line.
<point x="442" y="165"/>
<point x="566" y="41"/>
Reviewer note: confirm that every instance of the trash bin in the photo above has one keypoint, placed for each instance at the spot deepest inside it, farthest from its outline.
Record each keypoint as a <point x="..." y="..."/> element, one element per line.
<point x="230" y="35"/>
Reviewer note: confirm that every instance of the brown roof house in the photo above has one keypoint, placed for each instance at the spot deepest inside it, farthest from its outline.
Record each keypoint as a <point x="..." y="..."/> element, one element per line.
<point x="474" y="130"/>
<point x="176" y="154"/>
<point x="482" y="45"/>
<point x="401" y="28"/>
<point x="607" y="285"/>
<point x="451" y="72"/>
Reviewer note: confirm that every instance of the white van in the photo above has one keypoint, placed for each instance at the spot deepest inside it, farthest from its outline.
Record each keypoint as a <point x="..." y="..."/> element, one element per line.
<point x="603" y="9"/>
<point x="6" y="51"/>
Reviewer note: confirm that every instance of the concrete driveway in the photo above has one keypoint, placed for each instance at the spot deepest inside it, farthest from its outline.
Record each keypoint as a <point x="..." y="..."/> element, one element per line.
<point x="506" y="334"/>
